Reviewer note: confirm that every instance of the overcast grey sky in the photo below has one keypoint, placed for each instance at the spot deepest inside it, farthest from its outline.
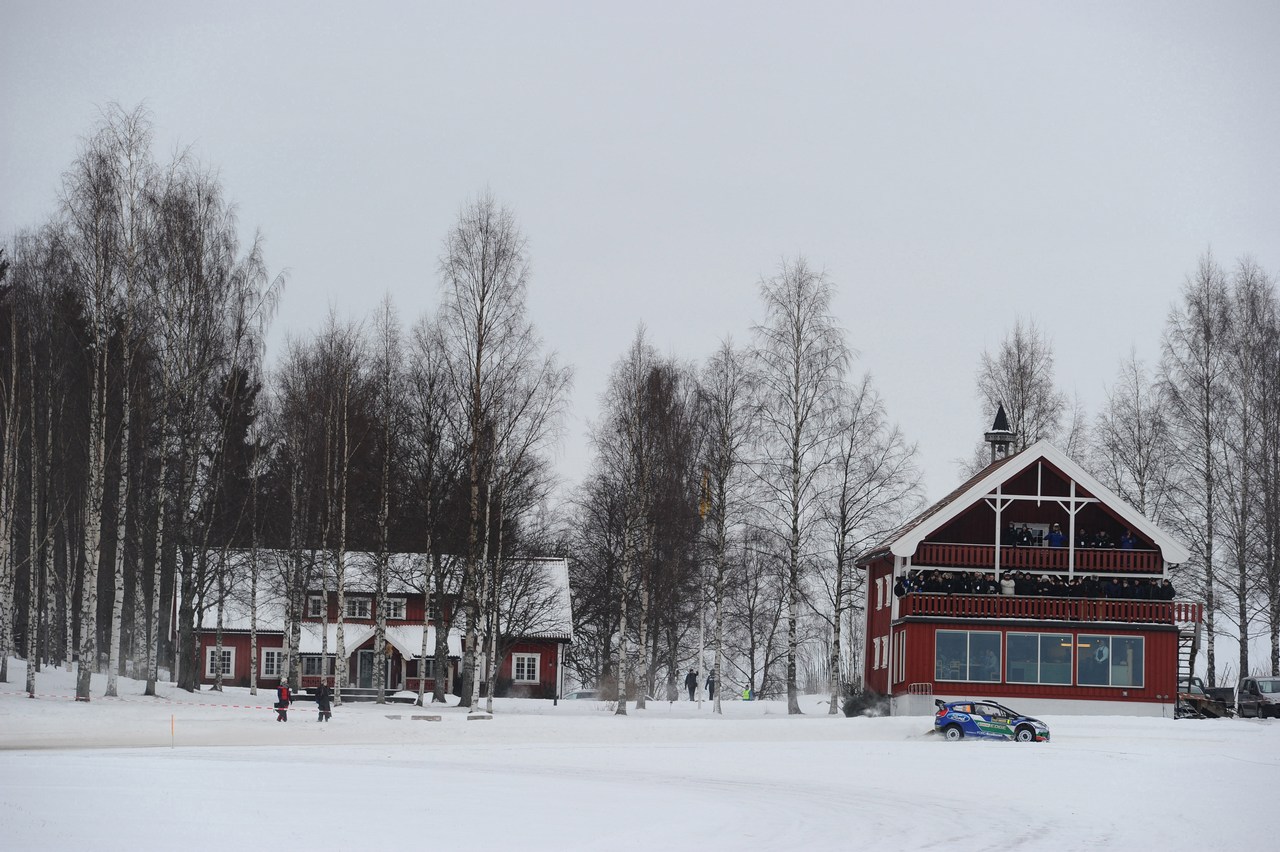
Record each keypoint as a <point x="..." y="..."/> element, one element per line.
<point x="950" y="165"/>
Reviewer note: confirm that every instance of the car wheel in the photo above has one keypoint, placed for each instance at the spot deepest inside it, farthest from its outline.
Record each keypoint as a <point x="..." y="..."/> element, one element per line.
<point x="1025" y="735"/>
<point x="953" y="732"/>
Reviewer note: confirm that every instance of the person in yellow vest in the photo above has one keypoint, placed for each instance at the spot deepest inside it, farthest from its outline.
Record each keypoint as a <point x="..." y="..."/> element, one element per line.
<point x="746" y="692"/>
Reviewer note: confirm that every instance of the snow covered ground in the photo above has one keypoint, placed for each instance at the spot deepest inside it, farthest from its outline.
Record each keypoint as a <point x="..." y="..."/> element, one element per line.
<point x="215" y="771"/>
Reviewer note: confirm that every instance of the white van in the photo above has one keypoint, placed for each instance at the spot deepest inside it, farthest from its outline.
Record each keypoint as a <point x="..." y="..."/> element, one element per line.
<point x="1258" y="697"/>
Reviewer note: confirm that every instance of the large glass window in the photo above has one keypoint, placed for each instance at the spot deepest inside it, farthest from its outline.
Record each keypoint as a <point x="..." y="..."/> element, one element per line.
<point x="1039" y="658"/>
<point x="1110" y="660"/>
<point x="967" y="655"/>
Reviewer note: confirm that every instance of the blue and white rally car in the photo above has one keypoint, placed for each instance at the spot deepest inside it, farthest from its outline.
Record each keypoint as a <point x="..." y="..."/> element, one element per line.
<point x="956" y="720"/>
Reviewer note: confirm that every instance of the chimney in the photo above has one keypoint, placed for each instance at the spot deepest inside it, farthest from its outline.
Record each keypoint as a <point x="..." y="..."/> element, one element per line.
<point x="1000" y="437"/>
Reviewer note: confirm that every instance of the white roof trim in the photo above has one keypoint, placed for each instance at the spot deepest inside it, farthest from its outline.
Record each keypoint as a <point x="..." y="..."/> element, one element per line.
<point x="1171" y="550"/>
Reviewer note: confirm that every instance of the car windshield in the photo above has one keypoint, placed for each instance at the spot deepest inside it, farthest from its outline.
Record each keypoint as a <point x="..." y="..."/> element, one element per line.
<point x="1269" y="686"/>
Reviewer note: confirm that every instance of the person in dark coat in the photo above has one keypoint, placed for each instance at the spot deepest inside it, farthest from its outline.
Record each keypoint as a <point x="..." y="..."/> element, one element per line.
<point x="324" y="703"/>
<point x="691" y="682"/>
<point x="711" y="686"/>
<point x="282" y="703"/>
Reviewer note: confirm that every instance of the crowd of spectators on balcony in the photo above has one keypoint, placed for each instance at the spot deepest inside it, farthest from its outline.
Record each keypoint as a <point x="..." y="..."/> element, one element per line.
<point x="1040" y="585"/>
<point x="1024" y="536"/>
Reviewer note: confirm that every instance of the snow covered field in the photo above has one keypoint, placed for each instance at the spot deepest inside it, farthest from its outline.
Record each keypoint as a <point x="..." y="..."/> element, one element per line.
<point x="215" y="771"/>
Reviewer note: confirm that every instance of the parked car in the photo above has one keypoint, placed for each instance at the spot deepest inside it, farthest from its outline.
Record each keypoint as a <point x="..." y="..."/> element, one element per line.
<point x="956" y="720"/>
<point x="583" y="695"/>
<point x="1258" y="697"/>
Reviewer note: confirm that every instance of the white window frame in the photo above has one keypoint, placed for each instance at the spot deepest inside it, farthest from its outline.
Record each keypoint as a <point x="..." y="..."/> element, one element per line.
<point x="311" y="666"/>
<point x="427" y="668"/>
<point x="968" y="651"/>
<point x="1110" y="659"/>
<point x="879" y="592"/>
<point x="875" y="649"/>
<point x="228" y="661"/>
<point x="277" y="655"/>
<point x="359" y="606"/>
<point x="518" y="661"/>
<point x="315" y="606"/>
<point x="394" y="608"/>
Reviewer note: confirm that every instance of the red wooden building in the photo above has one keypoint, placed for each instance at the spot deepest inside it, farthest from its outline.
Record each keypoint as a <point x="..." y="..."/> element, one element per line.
<point x="532" y="666"/>
<point x="1082" y="622"/>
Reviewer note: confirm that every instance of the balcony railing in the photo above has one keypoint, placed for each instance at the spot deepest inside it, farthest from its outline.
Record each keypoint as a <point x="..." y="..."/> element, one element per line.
<point x="1049" y="609"/>
<point x="1102" y="560"/>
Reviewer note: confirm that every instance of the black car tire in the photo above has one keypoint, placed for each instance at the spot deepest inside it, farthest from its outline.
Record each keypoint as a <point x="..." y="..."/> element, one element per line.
<point x="1025" y="735"/>
<point x="953" y="732"/>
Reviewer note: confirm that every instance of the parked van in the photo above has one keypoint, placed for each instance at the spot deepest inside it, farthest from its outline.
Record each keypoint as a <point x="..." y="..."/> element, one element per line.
<point x="1258" y="697"/>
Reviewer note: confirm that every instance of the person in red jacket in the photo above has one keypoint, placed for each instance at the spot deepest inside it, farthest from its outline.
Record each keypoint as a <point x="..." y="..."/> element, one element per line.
<point x="282" y="703"/>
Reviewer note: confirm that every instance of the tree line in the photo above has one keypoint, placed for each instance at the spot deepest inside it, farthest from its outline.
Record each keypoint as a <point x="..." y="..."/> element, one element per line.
<point x="146" y="446"/>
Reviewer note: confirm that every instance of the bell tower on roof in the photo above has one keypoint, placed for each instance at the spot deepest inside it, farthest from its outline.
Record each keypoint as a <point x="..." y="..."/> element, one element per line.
<point x="1000" y="436"/>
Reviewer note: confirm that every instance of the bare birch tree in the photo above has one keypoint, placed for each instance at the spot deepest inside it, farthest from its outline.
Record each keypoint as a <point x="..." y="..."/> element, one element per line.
<point x="801" y="356"/>
<point x="1194" y="378"/>
<point x="1020" y="375"/>
<point x="875" y="485"/>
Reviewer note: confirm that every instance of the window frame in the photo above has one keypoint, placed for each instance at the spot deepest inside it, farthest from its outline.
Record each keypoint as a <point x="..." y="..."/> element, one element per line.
<point x="1110" y="660"/>
<point x="228" y="661"/>
<point x="315" y="606"/>
<point x="520" y="660"/>
<point x="1040" y="661"/>
<point x="394" y="607"/>
<point x="353" y="601"/>
<point x="279" y="655"/>
<point x="968" y="655"/>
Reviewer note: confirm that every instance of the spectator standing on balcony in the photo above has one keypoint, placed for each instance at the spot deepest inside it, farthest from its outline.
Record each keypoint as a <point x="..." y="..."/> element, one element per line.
<point x="900" y="587"/>
<point x="1083" y="539"/>
<point x="1025" y="538"/>
<point x="1056" y="538"/>
<point x="1101" y="539"/>
<point x="1009" y="538"/>
<point x="1007" y="585"/>
<point x="1127" y="541"/>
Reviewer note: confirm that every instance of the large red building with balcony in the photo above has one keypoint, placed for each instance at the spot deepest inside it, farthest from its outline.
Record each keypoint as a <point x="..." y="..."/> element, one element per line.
<point x="1091" y="627"/>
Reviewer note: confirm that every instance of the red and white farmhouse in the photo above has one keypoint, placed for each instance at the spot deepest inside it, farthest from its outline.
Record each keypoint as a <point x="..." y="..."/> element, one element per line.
<point x="532" y="665"/>
<point x="1073" y="639"/>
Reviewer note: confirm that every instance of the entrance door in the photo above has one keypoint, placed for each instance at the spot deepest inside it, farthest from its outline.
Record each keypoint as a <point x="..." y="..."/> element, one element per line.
<point x="364" y="669"/>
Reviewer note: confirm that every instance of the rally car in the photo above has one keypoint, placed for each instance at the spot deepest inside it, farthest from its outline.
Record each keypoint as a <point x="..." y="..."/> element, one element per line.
<point x="956" y="720"/>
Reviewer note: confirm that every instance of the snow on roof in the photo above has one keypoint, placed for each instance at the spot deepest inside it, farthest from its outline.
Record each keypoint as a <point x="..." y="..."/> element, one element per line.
<point x="407" y="639"/>
<point x="554" y="621"/>
<point x="317" y="636"/>
<point x="557" y="621"/>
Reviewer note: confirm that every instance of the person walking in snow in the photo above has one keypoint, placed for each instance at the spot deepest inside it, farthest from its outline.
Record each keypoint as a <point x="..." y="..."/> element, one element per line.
<point x="691" y="682"/>
<point x="282" y="703"/>
<point x="711" y="686"/>
<point x="323" y="703"/>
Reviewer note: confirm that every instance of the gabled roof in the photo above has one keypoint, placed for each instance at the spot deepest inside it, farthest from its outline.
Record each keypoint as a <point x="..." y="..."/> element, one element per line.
<point x="904" y="540"/>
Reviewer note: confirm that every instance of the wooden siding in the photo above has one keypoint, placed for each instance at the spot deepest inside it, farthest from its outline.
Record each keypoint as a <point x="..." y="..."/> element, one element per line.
<point x="937" y="554"/>
<point x="879" y="574"/>
<point x="1160" y="664"/>
<point x="1054" y="609"/>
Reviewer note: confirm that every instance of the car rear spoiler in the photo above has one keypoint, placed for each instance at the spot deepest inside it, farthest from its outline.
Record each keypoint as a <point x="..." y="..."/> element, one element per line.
<point x="939" y="703"/>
